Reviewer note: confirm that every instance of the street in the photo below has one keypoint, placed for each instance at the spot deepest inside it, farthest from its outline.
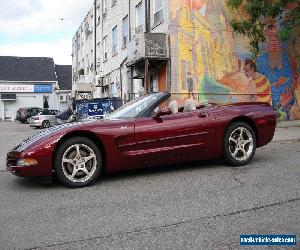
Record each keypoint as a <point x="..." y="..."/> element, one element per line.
<point x="204" y="205"/>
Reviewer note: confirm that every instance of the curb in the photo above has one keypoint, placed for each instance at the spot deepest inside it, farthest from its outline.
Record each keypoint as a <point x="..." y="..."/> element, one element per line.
<point x="291" y="141"/>
<point x="288" y="124"/>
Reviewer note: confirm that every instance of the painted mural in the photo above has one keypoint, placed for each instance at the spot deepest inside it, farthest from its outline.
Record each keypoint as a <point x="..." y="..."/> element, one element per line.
<point x="210" y="63"/>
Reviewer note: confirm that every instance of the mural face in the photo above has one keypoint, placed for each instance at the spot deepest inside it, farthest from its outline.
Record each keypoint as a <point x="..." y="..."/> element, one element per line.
<point x="210" y="63"/>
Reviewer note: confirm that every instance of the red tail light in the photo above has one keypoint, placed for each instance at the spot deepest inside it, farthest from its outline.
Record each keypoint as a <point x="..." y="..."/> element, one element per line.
<point x="36" y="118"/>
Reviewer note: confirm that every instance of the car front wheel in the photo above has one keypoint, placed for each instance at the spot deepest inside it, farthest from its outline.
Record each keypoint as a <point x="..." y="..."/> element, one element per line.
<point x="46" y="124"/>
<point x="239" y="144"/>
<point x="78" y="162"/>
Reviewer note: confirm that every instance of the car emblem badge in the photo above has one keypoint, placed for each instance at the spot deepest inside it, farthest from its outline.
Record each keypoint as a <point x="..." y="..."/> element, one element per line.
<point x="124" y="127"/>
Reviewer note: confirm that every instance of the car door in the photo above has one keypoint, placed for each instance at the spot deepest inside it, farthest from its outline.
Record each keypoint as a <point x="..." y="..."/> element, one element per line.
<point x="52" y="117"/>
<point x="174" y="138"/>
<point x="45" y="115"/>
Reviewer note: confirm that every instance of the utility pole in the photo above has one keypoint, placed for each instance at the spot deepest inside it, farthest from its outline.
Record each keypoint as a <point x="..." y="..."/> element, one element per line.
<point x="95" y="39"/>
<point x="147" y="30"/>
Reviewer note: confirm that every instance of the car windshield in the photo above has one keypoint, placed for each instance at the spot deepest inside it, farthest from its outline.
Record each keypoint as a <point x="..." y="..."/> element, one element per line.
<point x="137" y="107"/>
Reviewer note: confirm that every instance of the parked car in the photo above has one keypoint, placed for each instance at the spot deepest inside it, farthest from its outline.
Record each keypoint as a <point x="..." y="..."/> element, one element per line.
<point x="24" y="113"/>
<point x="45" y="119"/>
<point x="149" y="131"/>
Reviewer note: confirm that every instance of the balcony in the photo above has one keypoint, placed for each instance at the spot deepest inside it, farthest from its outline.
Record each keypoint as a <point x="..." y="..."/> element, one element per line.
<point x="148" y="46"/>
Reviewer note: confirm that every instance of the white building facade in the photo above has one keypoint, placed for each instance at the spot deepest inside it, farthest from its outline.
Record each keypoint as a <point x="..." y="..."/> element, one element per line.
<point x="15" y="95"/>
<point x="27" y="82"/>
<point x="121" y="59"/>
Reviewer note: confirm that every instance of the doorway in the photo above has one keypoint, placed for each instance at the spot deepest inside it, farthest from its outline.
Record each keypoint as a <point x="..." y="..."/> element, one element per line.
<point x="8" y="111"/>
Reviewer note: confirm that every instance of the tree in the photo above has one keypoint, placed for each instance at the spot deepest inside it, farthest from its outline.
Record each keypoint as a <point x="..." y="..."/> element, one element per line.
<point x="259" y="16"/>
<point x="46" y="104"/>
<point x="81" y="72"/>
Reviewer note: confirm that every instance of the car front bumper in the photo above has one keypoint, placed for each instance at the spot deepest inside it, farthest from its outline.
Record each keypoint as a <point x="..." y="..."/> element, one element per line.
<point x="38" y="170"/>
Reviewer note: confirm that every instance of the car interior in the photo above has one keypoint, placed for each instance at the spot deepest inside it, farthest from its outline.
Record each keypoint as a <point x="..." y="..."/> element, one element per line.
<point x="189" y="106"/>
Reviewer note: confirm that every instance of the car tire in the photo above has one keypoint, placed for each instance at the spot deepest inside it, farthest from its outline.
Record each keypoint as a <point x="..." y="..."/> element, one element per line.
<point x="46" y="124"/>
<point x="239" y="144"/>
<point x="78" y="162"/>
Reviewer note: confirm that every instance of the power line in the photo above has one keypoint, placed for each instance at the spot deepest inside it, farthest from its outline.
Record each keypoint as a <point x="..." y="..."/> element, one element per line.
<point x="46" y="21"/>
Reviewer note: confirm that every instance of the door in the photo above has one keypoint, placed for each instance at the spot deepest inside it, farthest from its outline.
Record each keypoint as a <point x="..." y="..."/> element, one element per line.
<point x="174" y="138"/>
<point x="8" y="111"/>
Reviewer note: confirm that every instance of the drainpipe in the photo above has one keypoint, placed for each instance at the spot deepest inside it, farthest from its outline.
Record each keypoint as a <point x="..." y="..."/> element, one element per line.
<point x="95" y="46"/>
<point x="129" y="19"/>
<point x="95" y="37"/>
<point x="121" y="77"/>
<point x="147" y="30"/>
<point x="147" y="16"/>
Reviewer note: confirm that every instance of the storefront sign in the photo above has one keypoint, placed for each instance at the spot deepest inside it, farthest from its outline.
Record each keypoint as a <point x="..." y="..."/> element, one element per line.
<point x="16" y="88"/>
<point x="33" y="88"/>
<point x="42" y="88"/>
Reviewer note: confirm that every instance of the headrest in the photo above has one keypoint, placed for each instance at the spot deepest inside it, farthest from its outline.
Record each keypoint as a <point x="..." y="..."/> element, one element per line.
<point x="190" y="105"/>
<point x="173" y="106"/>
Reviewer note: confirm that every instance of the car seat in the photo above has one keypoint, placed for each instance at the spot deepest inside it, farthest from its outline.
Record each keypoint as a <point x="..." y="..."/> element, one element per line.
<point x="173" y="106"/>
<point x="190" y="105"/>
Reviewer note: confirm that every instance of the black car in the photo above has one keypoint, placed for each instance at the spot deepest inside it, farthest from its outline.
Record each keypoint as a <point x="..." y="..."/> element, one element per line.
<point x="24" y="113"/>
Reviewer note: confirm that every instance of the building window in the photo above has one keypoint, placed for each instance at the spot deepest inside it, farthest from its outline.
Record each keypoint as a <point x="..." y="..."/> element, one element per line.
<point x="114" y="40"/>
<point x="140" y="18"/>
<point x="105" y="48"/>
<point x="125" y="31"/>
<point x="158" y="12"/>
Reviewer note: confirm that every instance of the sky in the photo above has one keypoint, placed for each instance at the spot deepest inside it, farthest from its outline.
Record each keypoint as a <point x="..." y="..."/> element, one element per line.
<point x="40" y="28"/>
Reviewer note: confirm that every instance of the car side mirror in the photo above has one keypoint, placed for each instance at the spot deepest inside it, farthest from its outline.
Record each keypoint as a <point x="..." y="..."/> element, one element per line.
<point x="162" y="112"/>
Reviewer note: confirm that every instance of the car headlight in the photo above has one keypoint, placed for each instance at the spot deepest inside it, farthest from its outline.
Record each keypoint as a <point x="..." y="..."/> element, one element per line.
<point x="27" y="162"/>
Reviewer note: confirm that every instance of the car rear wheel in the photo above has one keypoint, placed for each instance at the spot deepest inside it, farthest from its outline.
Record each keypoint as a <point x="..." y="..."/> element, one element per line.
<point x="46" y="124"/>
<point x="78" y="162"/>
<point x="239" y="144"/>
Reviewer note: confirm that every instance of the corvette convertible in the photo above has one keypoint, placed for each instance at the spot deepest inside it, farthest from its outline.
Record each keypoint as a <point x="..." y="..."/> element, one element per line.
<point x="149" y="131"/>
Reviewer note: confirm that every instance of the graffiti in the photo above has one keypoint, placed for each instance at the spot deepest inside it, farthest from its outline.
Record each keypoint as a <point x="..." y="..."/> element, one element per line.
<point x="210" y="60"/>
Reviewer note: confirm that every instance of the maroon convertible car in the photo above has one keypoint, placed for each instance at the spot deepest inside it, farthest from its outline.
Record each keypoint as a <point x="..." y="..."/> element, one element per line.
<point x="149" y="131"/>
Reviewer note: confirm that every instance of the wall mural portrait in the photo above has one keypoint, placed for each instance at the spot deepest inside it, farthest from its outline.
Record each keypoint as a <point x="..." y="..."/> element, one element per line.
<point x="212" y="64"/>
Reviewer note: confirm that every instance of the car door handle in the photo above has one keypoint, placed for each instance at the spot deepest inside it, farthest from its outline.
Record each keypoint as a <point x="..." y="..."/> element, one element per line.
<point x="202" y="115"/>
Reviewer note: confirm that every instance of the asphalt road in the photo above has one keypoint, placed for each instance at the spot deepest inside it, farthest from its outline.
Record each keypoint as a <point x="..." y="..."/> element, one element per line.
<point x="12" y="133"/>
<point x="203" y="205"/>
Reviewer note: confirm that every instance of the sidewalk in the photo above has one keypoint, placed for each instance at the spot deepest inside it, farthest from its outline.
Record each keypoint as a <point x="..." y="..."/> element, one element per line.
<point x="288" y="124"/>
<point x="287" y="131"/>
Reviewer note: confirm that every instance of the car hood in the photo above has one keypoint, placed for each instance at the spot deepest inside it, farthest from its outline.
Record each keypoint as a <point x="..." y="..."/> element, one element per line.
<point x="56" y="132"/>
<point x="45" y="134"/>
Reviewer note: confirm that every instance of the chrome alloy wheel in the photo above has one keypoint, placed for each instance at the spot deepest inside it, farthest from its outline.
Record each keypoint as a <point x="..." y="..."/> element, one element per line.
<point x="241" y="144"/>
<point x="79" y="163"/>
